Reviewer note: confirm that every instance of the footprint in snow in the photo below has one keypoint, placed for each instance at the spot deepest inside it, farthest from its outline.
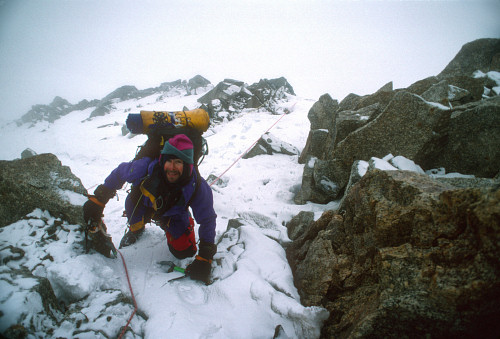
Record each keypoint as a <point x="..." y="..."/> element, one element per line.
<point x="191" y="292"/>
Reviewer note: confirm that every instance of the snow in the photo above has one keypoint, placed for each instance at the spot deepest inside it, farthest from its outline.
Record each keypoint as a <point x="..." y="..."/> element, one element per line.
<point x="492" y="75"/>
<point x="405" y="164"/>
<point x="253" y="290"/>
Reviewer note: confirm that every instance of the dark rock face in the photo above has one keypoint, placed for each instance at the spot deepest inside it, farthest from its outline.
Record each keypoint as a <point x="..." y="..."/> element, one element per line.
<point x="449" y="121"/>
<point x="471" y="141"/>
<point x="407" y="256"/>
<point x="322" y="113"/>
<point x="41" y="182"/>
<point x="482" y="54"/>
<point x="299" y="224"/>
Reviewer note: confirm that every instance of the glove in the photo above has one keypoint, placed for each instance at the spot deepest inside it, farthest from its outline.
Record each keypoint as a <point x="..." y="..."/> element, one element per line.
<point x="200" y="268"/>
<point x="93" y="208"/>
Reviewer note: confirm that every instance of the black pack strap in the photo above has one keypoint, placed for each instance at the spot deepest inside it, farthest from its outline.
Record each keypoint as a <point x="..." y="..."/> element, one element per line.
<point x="196" y="187"/>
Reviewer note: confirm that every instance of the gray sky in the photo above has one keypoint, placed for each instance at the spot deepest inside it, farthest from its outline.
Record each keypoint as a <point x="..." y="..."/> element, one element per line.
<point x="84" y="49"/>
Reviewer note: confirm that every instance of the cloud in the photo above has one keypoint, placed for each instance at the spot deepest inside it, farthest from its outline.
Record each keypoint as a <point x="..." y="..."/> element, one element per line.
<point x="84" y="49"/>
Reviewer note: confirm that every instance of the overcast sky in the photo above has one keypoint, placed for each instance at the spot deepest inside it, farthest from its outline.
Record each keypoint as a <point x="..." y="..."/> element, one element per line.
<point x="84" y="49"/>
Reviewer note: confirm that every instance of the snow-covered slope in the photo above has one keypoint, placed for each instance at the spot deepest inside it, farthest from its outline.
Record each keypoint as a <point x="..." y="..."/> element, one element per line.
<point x="253" y="289"/>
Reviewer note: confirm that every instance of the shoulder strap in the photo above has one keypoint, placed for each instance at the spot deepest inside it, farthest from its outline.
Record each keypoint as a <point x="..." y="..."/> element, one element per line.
<point x="197" y="185"/>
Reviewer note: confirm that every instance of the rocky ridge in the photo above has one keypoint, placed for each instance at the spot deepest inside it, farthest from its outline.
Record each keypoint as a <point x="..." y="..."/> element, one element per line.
<point x="409" y="252"/>
<point x="225" y="100"/>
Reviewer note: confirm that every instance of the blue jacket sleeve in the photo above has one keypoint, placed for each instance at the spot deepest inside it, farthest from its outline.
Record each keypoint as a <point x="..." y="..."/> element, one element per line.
<point x="204" y="213"/>
<point x="132" y="172"/>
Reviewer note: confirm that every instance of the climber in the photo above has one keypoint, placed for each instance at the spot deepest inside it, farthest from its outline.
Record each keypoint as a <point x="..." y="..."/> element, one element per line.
<point x="169" y="185"/>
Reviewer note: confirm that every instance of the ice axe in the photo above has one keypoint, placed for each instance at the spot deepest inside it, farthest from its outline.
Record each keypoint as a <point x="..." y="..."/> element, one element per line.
<point x="171" y="267"/>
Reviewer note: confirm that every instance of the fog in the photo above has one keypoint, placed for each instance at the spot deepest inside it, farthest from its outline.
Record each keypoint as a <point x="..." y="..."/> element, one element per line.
<point x="84" y="49"/>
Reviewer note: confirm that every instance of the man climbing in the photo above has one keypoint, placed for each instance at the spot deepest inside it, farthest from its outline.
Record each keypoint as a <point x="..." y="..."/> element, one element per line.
<point x="162" y="190"/>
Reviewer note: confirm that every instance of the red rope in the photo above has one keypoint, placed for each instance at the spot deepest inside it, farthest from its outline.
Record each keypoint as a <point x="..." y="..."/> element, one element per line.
<point x="131" y="292"/>
<point x="247" y="150"/>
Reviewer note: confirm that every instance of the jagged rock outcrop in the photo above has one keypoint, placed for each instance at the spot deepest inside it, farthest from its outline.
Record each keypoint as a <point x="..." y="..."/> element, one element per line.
<point x="405" y="256"/>
<point x="481" y="54"/>
<point x="56" y="109"/>
<point x="40" y="181"/>
<point x="196" y="83"/>
<point x="233" y="96"/>
<point x="322" y="112"/>
<point x="178" y="87"/>
<point x="449" y="121"/>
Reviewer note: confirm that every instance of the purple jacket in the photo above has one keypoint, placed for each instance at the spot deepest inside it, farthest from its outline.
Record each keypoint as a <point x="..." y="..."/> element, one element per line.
<point x="201" y="205"/>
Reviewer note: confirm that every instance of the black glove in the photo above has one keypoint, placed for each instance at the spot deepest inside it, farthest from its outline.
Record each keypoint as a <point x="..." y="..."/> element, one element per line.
<point x="93" y="208"/>
<point x="103" y="194"/>
<point x="201" y="267"/>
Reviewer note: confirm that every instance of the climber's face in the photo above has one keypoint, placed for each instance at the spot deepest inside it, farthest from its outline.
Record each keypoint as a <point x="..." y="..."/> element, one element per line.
<point x="173" y="169"/>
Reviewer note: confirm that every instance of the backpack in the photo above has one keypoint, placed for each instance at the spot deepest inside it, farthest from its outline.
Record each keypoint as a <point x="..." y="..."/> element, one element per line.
<point x="161" y="126"/>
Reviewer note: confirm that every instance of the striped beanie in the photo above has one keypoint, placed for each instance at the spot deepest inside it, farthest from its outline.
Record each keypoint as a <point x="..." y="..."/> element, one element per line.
<point x="179" y="146"/>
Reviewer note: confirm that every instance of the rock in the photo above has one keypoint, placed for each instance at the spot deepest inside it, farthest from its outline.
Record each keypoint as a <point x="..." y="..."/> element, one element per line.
<point x="350" y="102"/>
<point x="481" y="54"/>
<point x="347" y="122"/>
<point x="444" y="93"/>
<point x="470" y="142"/>
<point x="423" y="85"/>
<point x="322" y="113"/>
<point x="196" y="83"/>
<point x="405" y="127"/>
<point x="326" y="180"/>
<point x="445" y="121"/>
<point x="408" y="257"/>
<point x="315" y="145"/>
<point x="56" y="109"/>
<point x="471" y="182"/>
<point x="473" y="85"/>
<point x="269" y="144"/>
<point x="382" y="97"/>
<point x="27" y="153"/>
<point x="299" y="224"/>
<point x="39" y="182"/>
<point x="266" y="93"/>
<point x="308" y="190"/>
<point x="233" y="96"/>
<point x="119" y="94"/>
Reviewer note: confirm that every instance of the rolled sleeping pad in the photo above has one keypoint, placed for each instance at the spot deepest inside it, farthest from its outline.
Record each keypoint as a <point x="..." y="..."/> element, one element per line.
<point x="148" y="120"/>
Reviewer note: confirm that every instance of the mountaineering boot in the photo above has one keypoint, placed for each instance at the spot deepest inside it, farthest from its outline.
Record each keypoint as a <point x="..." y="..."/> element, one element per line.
<point x="131" y="237"/>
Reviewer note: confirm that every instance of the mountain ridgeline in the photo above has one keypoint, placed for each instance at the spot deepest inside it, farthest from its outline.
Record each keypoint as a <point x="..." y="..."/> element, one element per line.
<point x="403" y="253"/>
<point x="230" y="96"/>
